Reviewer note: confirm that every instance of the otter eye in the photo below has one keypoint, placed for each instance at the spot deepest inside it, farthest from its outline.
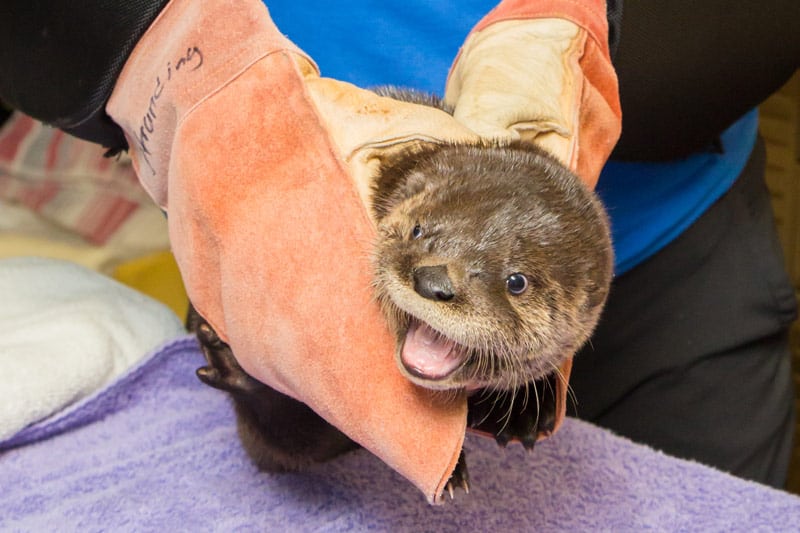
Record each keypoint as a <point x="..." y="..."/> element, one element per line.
<point x="517" y="283"/>
<point x="416" y="233"/>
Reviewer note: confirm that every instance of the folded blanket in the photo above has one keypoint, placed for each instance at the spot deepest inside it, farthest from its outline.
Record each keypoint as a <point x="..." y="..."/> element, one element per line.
<point x="65" y="332"/>
<point x="158" y="451"/>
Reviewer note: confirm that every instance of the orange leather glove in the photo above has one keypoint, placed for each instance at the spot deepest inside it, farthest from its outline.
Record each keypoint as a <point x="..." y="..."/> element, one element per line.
<point x="263" y="168"/>
<point x="540" y="71"/>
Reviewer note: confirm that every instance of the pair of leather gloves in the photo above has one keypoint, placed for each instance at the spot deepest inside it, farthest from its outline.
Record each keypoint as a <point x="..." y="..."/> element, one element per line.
<point x="263" y="167"/>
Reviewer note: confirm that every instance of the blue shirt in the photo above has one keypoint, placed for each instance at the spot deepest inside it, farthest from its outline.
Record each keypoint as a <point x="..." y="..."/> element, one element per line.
<point x="409" y="43"/>
<point x="413" y="43"/>
<point x="650" y="204"/>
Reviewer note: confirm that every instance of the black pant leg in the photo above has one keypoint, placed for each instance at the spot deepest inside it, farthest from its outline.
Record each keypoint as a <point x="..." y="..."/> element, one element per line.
<point x="691" y="355"/>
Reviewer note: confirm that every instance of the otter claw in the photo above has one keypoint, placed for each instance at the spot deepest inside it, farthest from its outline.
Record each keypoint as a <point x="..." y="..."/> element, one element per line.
<point x="209" y="376"/>
<point x="503" y="438"/>
<point x="459" y="478"/>
<point x="208" y="336"/>
<point x="528" y="442"/>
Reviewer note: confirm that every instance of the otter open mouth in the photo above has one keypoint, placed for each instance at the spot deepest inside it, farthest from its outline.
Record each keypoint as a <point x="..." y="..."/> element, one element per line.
<point x="427" y="354"/>
<point x="524" y="413"/>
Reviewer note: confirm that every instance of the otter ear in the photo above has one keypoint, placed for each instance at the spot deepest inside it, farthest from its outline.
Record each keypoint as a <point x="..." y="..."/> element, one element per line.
<point x="399" y="178"/>
<point x="394" y="188"/>
<point x="395" y="185"/>
<point x="415" y="183"/>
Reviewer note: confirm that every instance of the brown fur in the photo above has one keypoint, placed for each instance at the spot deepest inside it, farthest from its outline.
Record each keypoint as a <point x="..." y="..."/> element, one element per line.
<point x="485" y="213"/>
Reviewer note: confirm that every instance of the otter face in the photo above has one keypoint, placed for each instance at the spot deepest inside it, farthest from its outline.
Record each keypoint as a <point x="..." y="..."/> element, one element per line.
<point x="492" y="264"/>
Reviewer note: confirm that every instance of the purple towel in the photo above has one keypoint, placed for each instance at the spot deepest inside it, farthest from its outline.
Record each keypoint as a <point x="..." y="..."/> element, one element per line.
<point x="157" y="451"/>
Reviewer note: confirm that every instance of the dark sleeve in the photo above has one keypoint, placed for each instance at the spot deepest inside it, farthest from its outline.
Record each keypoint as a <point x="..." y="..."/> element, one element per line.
<point x="59" y="59"/>
<point x="614" y="14"/>
<point x="687" y="70"/>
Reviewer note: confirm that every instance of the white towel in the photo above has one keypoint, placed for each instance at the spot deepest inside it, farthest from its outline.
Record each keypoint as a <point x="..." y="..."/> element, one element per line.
<point x="65" y="332"/>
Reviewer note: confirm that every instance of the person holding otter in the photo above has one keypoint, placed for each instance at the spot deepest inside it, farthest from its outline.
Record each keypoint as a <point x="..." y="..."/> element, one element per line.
<point x="220" y="127"/>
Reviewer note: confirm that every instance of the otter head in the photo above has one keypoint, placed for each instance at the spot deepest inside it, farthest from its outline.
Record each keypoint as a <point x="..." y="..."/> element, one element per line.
<point x="492" y="263"/>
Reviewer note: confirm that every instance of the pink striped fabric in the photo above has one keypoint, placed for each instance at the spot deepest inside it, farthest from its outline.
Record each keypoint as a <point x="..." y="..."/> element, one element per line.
<point x="66" y="180"/>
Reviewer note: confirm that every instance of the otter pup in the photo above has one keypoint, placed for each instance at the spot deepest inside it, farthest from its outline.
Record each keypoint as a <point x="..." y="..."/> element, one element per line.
<point x="492" y="264"/>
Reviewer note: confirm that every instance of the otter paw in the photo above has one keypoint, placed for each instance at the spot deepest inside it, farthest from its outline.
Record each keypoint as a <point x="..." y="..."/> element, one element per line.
<point x="223" y="371"/>
<point x="278" y="432"/>
<point x="522" y="414"/>
<point x="459" y="478"/>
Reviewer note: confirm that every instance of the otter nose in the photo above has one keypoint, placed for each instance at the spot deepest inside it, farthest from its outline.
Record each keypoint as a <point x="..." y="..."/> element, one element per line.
<point x="432" y="282"/>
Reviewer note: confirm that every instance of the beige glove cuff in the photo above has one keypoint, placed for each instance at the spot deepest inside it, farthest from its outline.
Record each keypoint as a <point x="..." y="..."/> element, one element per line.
<point x="366" y="127"/>
<point x="532" y="95"/>
<point x="541" y="72"/>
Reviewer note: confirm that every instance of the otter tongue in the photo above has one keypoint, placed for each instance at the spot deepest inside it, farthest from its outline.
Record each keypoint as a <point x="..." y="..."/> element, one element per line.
<point x="428" y="354"/>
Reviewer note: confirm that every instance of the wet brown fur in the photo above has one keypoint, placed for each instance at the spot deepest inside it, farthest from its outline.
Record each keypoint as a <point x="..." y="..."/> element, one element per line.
<point x="485" y="212"/>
